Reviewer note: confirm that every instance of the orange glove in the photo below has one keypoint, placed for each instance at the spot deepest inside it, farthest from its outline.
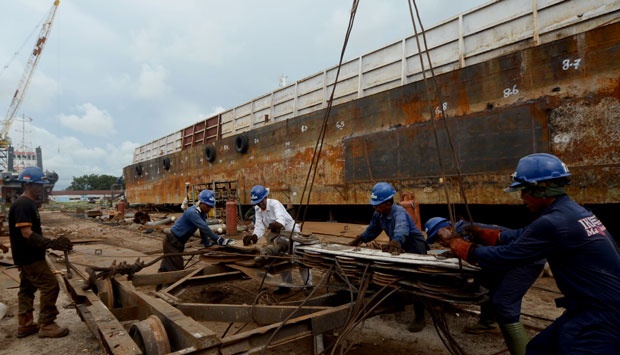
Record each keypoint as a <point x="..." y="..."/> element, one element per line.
<point x="460" y="248"/>
<point x="483" y="236"/>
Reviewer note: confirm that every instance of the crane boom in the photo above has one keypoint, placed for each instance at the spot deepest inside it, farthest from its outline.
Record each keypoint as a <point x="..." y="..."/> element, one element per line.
<point x="24" y="83"/>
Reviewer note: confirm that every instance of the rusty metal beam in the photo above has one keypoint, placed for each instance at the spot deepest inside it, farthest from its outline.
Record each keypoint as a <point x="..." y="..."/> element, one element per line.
<point x="260" y="314"/>
<point x="183" y="332"/>
<point x="296" y="328"/>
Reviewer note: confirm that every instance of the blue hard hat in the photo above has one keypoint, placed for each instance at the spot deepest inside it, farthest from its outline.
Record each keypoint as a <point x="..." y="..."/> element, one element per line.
<point x="535" y="168"/>
<point x="207" y="197"/>
<point x="32" y="174"/>
<point x="257" y="194"/>
<point x="381" y="192"/>
<point x="432" y="226"/>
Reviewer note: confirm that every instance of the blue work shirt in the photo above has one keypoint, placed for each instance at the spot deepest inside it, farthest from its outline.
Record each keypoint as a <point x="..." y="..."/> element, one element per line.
<point x="187" y="224"/>
<point x="581" y="253"/>
<point x="398" y="225"/>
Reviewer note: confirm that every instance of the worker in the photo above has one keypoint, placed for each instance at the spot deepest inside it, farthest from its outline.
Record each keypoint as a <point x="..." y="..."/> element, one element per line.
<point x="506" y="286"/>
<point x="403" y="233"/>
<point x="270" y="215"/>
<point x="28" y="246"/>
<point x="579" y="249"/>
<point x="194" y="218"/>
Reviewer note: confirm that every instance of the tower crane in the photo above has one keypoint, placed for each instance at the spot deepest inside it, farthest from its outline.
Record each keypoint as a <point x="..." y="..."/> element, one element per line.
<point x="24" y="83"/>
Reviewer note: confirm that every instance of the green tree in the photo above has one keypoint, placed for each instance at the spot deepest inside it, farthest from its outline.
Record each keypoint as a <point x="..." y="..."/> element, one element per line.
<point x="92" y="182"/>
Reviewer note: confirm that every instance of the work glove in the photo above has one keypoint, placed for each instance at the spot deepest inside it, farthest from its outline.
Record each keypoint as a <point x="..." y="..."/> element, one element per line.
<point x="482" y="236"/>
<point x="394" y="247"/>
<point x="462" y="249"/>
<point x="357" y="241"/>
<point x="250" y="239"/>
<point x="61" y="243"/>
<point x="275" y="227"/>
<point x="4" y="248"/>
<point x="458" y="246"/>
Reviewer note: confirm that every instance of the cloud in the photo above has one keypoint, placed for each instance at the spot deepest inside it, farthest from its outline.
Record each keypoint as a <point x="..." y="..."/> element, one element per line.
<point x="151" y="83"/>
<point x="93" y="121"/>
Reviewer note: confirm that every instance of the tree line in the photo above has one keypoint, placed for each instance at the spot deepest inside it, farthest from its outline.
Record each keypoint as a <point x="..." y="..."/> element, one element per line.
<point x="96" y="182"/>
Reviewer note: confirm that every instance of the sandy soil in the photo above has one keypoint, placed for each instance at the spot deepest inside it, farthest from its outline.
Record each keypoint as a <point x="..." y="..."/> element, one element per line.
<point x="385" y="333"/>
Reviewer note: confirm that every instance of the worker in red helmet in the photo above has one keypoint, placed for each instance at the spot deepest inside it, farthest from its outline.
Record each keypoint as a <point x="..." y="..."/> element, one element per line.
<point x="403" y="233"/>
<point x="580" y="251"/>
<point x="28" y="246"/>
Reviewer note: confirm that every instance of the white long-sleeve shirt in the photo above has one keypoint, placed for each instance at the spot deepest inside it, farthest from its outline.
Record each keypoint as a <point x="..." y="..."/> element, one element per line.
<point x="275" y="212"/>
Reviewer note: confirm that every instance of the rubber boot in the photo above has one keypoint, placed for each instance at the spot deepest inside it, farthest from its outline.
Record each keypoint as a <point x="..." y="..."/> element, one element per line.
<point x="26" y="326"/>
<point x="52" y="330"/>
<point x="515" y="337"/>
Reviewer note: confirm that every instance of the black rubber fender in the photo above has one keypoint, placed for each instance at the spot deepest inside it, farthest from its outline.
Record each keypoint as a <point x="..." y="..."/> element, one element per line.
<point x="210" y="153"/>
<point x="166" y="162"/>
<point x="241" y="143"/>
<point x="139" y="170"/>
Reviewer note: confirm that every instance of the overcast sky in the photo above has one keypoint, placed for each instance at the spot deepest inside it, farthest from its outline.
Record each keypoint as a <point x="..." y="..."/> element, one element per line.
<point x="116" y="74"/>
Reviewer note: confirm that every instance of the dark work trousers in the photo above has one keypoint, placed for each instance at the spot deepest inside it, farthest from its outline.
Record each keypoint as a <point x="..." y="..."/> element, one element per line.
<point x="506" y="289"/>
<point x="592" y="329"/>
<point x="172" y="244"/>
<point x="33" y="277"/>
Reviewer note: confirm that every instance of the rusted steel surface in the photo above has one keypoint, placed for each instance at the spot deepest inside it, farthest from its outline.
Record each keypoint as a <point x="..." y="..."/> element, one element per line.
<point x="562" y="97"/>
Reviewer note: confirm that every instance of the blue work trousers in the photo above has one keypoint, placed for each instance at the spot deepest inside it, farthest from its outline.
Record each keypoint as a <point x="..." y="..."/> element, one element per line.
<point x="586" y="331"/>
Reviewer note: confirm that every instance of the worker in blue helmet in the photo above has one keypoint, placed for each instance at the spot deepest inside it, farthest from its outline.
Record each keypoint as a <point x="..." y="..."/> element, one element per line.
<point x="28" y="246"/>
<point x="194" y="218"/>
<point x="270" y="219"/>
<point x="581" y="253"/>
<point x="507" y="286"/>
<point x="404" y="235"/>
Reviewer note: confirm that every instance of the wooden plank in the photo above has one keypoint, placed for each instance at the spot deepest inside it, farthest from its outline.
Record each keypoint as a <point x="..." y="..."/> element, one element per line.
<point x="345" y="230"/>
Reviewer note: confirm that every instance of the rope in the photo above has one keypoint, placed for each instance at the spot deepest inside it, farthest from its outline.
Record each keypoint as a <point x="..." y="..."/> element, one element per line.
<point x="312" y="170"/>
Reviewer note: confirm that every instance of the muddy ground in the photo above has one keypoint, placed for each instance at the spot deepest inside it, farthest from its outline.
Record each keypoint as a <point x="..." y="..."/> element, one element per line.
<point x="385" y="333"/>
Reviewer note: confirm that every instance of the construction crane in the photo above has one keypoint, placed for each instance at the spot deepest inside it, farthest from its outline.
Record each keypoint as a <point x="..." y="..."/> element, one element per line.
<point x="20" y="92"/>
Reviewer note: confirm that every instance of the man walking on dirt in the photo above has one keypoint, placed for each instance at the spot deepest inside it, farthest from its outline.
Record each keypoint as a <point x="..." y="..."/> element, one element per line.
<point x="28" y="246"/>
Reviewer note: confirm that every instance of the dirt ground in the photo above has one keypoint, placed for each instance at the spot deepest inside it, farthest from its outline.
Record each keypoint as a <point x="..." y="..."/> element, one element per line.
<point x="385" y="333"/>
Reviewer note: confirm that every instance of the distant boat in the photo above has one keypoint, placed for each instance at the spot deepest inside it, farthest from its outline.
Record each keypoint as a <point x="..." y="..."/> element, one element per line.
<point x="19" y="159"/>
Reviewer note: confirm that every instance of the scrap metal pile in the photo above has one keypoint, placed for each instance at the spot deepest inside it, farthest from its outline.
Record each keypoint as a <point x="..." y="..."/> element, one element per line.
<point x="432" y="276"/>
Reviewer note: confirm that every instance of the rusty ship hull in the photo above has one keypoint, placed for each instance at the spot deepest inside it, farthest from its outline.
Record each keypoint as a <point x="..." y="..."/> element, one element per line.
<point x="561" y="97"/>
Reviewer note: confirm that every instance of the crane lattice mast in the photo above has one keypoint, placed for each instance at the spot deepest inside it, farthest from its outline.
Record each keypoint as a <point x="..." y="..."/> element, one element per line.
<point x="24" y="83"/>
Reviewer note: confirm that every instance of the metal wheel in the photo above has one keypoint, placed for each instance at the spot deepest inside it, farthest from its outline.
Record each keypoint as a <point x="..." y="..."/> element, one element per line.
<point x="150" y="335"/>
<point x="105" y="292"/>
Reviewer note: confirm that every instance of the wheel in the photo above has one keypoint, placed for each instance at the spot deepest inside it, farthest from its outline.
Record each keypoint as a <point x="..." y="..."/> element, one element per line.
<point x="150" y="335"/>
<point x="241" y="143"/>
<point x="166" y="162"/>
<point x="210" y="153"/>
<point x="105" y="292"/>
<point x="139" y="170"/>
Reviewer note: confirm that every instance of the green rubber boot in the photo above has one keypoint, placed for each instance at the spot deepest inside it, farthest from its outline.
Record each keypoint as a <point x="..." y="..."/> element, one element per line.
<point x="515" y="337"/>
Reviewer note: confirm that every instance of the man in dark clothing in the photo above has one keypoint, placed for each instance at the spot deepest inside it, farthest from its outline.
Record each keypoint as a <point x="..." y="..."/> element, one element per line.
<point x="194" y="218"/>
<point x="507" y="286"/>
<point x="403" y="233"/>
<point x="582" y="254"/>
<point x="28" y="246"/>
